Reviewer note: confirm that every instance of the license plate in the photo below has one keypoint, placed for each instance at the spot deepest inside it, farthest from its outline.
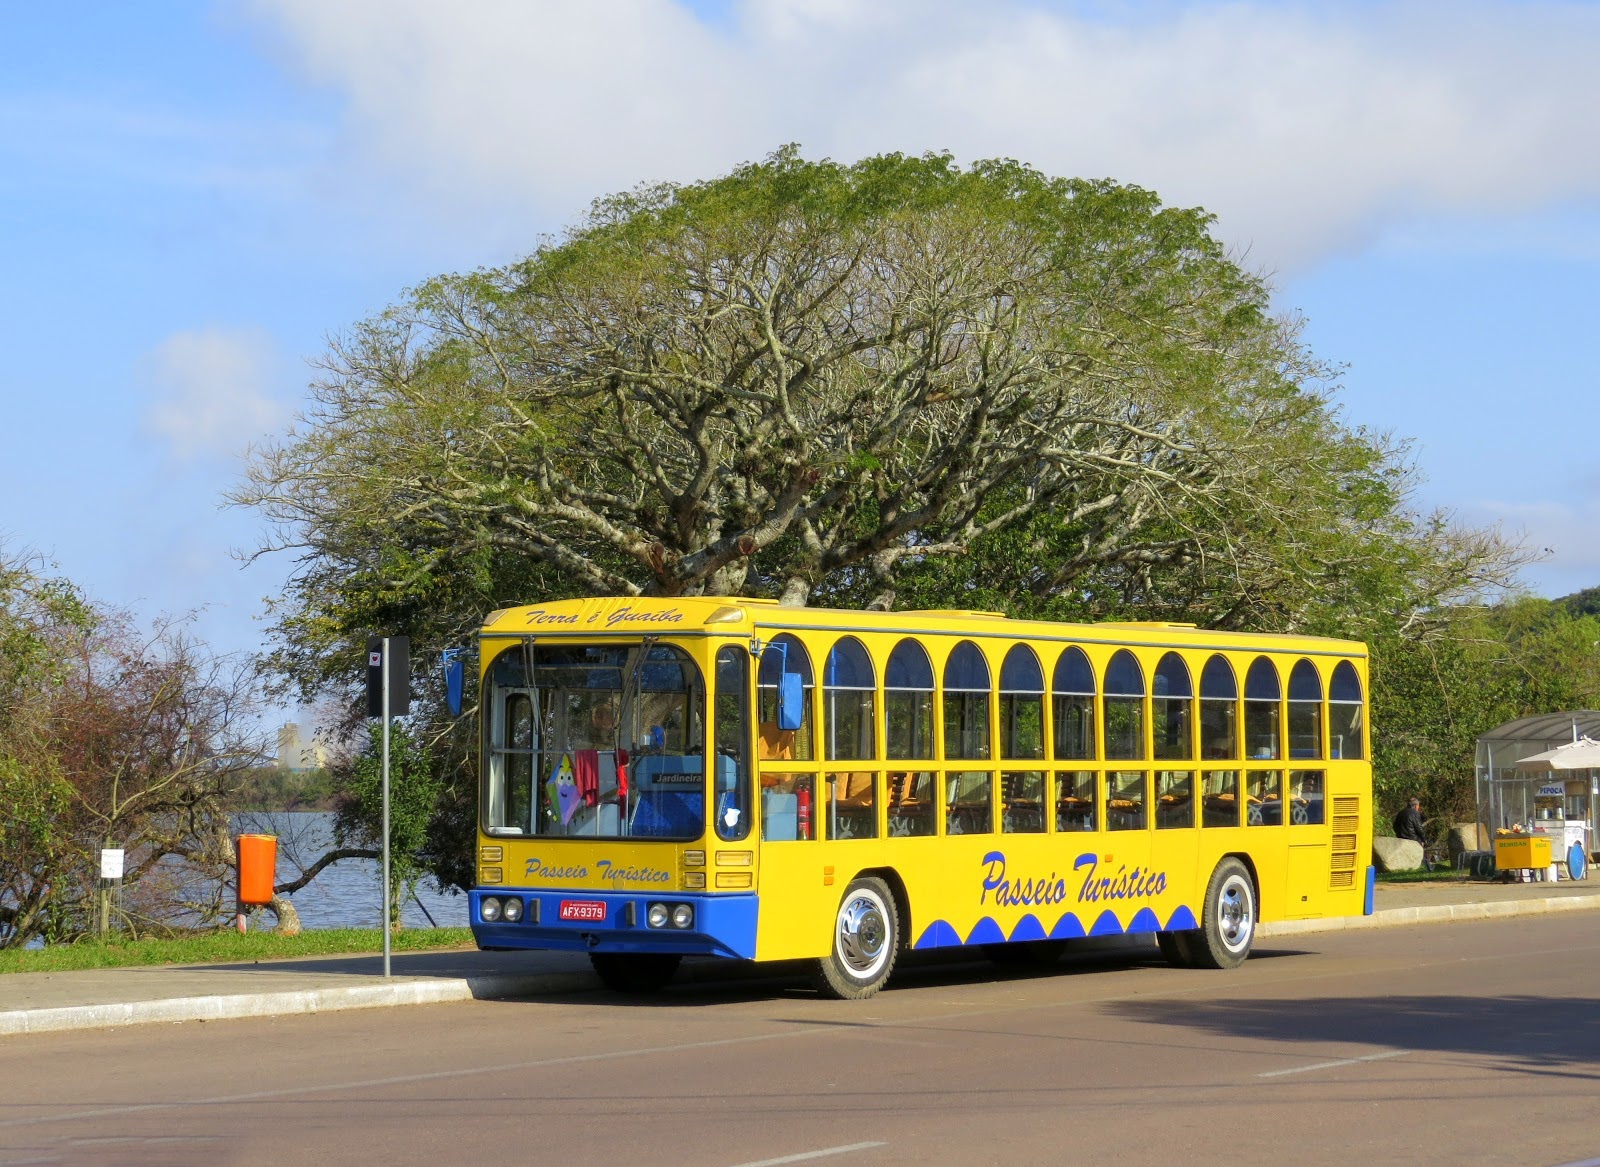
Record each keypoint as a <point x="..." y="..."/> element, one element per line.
<point x="582" y="910"/>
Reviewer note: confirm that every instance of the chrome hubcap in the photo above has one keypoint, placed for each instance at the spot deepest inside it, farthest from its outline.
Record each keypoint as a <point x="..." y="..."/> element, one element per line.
<point x="862" y="931"/>
<point x="1235" y="914"/>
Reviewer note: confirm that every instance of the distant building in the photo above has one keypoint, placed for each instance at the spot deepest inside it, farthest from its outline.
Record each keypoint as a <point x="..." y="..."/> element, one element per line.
<point x="298" y="751"/>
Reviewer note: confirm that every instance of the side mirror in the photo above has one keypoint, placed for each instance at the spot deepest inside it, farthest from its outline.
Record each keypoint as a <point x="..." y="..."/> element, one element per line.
<point x="791" y="701"/>
<point x="454" y="679"/>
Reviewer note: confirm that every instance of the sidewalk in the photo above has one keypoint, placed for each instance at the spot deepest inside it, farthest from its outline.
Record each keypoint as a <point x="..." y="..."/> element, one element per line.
<point x="45" y="1002"/>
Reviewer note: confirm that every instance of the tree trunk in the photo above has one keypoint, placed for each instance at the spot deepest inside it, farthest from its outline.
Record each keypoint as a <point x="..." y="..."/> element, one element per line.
<point x="288" y="919"/>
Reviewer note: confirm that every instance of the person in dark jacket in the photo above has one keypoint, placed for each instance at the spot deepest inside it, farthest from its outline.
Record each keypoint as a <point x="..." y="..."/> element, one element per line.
<point x="1408" y="825"/>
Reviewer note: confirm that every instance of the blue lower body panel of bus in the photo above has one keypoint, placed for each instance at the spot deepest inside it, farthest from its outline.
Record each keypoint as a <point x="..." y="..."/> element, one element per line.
<point x="591" y="921"/>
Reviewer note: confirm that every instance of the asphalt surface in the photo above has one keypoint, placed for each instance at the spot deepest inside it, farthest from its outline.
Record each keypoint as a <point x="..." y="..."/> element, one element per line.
<point x="48" y="1002"/>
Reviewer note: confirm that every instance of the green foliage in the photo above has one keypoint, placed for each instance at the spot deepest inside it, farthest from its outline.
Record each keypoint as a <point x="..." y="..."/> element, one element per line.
<point x="895" y="381"/>
<point x="109" y="736"/>
<point x="415" y="791"/>
<point x="1584" y="603"/>
<point x="802" y="376"/>
<point x="1433" y="697"/>
<point x="272" y="788"/>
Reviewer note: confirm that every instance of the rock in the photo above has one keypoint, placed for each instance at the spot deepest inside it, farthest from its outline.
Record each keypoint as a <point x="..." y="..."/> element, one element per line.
<point x="1396" y="854"/>
<point x="1466" y="837"/>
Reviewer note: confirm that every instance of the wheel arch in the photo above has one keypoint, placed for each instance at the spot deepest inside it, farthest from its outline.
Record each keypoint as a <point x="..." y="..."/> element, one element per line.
<point x="902" y="898"/>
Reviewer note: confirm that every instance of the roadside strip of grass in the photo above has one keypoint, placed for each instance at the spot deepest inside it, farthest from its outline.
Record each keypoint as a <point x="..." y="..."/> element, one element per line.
<point x="1437" y="875"/>
<point x="226" y="947"/>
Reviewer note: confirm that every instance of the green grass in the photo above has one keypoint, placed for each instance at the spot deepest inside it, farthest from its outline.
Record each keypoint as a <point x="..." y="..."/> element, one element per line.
<point x="227" y="947"/>
<point x="1447" y="875"/>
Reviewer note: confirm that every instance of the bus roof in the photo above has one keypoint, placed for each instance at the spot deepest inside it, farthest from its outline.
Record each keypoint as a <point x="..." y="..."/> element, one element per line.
<point x="741" y="616"/>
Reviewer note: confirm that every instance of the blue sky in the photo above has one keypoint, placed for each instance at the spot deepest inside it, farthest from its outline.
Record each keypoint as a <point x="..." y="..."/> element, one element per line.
<point x="195" y="196"/>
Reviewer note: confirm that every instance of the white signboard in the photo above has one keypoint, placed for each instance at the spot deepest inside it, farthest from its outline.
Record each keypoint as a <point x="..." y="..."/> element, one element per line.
<point x="1555" y="791"/>
<point x="111" y="863"/>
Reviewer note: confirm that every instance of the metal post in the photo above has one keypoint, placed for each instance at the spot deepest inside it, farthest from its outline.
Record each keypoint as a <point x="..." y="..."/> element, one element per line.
<point x="386" y="806"/>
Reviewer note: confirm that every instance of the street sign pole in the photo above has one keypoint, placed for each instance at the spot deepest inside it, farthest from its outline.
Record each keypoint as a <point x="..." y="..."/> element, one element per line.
<point x="386" y="893"/>
<point x="388" y="697"/>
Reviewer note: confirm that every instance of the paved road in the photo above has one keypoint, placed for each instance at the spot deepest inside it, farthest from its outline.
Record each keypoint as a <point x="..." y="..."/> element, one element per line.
<point x="36" y="1003"/>
<point x="1472" y="1042"/>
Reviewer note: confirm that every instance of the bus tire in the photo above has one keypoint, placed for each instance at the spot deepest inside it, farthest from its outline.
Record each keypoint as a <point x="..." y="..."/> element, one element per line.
<point x="1228" y="922"/>
<point x="1177" y="948"/>
<point x="635" y="972"/>
<point x="864" y="943"/>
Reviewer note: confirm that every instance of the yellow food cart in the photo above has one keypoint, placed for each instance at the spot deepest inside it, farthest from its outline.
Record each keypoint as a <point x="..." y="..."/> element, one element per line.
<point x="1522" y="852"/>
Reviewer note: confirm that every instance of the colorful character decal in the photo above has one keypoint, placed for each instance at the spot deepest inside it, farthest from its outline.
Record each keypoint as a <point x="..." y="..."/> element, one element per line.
<point x="562" y="790"/>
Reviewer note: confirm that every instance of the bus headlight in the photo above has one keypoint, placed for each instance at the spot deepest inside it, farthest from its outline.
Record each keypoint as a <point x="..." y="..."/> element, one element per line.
<point x="661" y="915"/>
<point x="489" y="909"/>
<point x="513" y="910"/>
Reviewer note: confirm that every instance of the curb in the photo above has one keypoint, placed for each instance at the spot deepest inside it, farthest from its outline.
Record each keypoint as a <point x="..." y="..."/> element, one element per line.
<point x="1440" y="914"/>
<point x="432" y="991"/>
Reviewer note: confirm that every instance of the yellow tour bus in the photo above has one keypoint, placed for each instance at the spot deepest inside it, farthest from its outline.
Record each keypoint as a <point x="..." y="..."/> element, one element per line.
<point x="734" y="778"/>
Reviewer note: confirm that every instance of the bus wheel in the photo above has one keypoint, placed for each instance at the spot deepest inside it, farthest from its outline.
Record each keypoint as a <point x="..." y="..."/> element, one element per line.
<point x="1177" y="948"/>
<point x="635" y="972"/>
<point x="1228" y="924"/>
<point x="866" y="939"/>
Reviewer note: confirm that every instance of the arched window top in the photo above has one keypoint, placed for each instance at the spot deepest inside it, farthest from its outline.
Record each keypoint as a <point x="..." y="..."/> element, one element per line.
<point x="966" y="671"/>
<point x="1304" y="684"/>
<point x="1124" y="677"/>
<point x="1073" y="674"/>
<point x="1261" y="682"/>
<point x="848" y="666"/>
<point x="784" y="654"/>
<point x="1344" y="685"/>
<point x="1217" y="680"/>
<point x="908" y="668"/>
<point x="1020" y="671"/>
<point x="1172" y="678"/>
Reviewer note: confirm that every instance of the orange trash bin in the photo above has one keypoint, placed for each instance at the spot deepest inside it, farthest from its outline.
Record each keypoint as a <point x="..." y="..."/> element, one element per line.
<point x="258" y="857"/>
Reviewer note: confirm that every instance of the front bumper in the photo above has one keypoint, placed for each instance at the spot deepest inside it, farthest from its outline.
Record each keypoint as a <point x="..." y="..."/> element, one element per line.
<point x="724" y="925"/>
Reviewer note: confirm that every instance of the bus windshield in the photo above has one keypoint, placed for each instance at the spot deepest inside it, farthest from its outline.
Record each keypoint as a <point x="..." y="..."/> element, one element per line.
<point x="597" y="741"/>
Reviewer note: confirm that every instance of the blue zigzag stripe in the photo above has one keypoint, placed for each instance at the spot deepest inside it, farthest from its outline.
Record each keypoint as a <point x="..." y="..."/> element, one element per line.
<point x="942" y="934"/>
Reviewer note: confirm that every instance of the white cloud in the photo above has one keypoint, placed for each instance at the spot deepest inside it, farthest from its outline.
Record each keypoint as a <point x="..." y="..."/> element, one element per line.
<point x="1307" y="128"/>
<point x="1565" y="535"/>
<point x="210" y="396"/>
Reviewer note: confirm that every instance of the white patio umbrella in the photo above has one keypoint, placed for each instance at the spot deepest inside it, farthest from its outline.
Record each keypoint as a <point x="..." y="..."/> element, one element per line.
<point x="1583" y="754"/>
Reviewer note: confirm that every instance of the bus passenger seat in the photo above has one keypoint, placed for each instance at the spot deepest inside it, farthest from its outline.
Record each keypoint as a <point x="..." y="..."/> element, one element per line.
<point x="773" y="743"/>
<point x="779" y="815"/>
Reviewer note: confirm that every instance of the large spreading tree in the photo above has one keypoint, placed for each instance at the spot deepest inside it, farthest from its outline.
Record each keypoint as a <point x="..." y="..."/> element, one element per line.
<point x="899" y="382"/>
<point x="828" y="383"/>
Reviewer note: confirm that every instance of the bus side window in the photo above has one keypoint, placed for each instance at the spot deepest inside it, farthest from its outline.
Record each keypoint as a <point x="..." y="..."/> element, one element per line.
<point x="1305" y="797"/>
<point x="786" y="806"/>
<point x="730" y="790"/>
<point x="1174" y="798"/>
<point x="969" y="806"/>
<point x="1125" y="800"/>
<point x="1221" y="799"/>
<point x="1075" y="800"/>
<point x="911" y="803"/>
<point x="1264" y="807"/>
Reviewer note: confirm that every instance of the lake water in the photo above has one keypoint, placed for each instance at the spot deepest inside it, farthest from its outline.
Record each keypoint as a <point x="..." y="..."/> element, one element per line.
<point x="346" y="894"/>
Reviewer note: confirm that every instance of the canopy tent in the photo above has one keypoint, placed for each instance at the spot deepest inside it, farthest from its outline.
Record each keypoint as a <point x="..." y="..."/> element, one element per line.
<point x="1516" y="759"/>
<point x="1583" y="754"/>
